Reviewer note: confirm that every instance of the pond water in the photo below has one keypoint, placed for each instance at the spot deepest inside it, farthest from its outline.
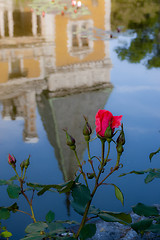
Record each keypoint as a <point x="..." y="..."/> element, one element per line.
<point x="58" y="63"/>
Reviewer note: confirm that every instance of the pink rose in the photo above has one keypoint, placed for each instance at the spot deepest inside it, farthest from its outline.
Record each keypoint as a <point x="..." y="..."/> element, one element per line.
<point x="11" y="159"/>
<point x="105" y="118"/>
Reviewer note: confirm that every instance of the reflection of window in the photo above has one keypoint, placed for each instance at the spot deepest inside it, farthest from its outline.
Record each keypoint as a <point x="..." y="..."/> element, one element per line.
<point x="74" y="36"/>
<point x="22" y="23"/>
<point x="79" y="45"/>
<point x="16" y="69"/>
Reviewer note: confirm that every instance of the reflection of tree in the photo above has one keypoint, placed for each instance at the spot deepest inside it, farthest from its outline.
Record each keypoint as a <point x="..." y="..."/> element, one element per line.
<point x="146" y="45"/>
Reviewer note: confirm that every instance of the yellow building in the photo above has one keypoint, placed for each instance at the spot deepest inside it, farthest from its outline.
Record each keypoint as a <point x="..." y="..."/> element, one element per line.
<point x="61" y="55"/>
<point x="34" y="46"/>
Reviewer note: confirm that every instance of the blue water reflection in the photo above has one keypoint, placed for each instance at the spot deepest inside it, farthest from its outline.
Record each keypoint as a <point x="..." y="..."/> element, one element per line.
<point x="46" y="90"/>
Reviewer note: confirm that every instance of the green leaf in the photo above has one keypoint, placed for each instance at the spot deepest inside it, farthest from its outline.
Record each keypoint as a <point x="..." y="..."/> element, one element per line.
<point x="56" y="228"/>
<point x="119" y="194"/>
<point x="115" y="217"/>
<point x="36" y="227"/>
<point x="144" y="210"/>
<point x="141" y="226"/>
<point x="78" y="207"/>
<point x="14" y="178"/>
<point x="34" y="236"/>
<point x="6" y="234"/>
<point x="50" y="216"/>
<point x="5" y="182"/>
<point x="13" y="191"/>
<point x="4" y="213"/>
<point x="81" y="194"/>
<point x="64" y="187"/>
<point x="67" y="188"/>
<point x="14" y="207"/>
<point x="67" y="222"/>
<point x="153" y="153"/>
<point x="69" y="238"/>
<point x="155" y="228"/>
<point x="93" y="210"/>
<point x="136" y="172"/>
<point x="87" y="231"/>
<point x="152" y="175"/>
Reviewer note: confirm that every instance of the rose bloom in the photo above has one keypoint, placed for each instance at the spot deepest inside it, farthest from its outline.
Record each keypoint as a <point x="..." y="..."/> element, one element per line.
<point x="105" y="118"/>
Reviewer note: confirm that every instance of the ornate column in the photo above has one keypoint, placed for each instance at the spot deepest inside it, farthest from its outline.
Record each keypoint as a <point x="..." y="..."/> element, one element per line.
<point x="2" y="28"/>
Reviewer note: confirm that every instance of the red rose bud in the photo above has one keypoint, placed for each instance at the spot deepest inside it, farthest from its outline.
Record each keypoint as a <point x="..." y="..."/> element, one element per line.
<point x="87" y="130"/>
<point x="70" y="141"/>
<point x="11" y="160"/>
<point x="121" y="137"/>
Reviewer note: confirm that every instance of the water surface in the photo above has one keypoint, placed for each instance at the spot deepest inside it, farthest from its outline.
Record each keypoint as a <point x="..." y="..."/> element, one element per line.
<point x="58" y="64"/>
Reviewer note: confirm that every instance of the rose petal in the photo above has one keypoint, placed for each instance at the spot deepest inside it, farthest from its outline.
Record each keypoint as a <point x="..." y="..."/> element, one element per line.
<point x="116" y="121"/>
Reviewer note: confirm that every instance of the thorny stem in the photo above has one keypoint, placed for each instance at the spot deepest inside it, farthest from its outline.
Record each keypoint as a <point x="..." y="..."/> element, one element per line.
<point x="90" y="160"/>
<point x="24" y="212"/>
<point x="84" y="176"/>
<point x="24" y="173"/>
<point x="103" y="162"/>
<point x="16" y="172"/>
<point x="92" y="194"/>
<point x="107" y="152"/>
<point x="103" y="149"/>
<point x="29" y="202"/>
<point x="112" y="171"/>
<point x="89" y="156"/>
<point x="118" y="159"/>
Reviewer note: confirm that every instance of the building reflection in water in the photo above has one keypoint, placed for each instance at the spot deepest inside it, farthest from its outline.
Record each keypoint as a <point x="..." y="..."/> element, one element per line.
<point x="46" y="61"/>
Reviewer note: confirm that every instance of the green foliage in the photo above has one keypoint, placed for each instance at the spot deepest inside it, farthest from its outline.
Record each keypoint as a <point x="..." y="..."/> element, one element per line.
<point x="145" y="44"/>
<point x="153" y="153"/>
<point x="61" y="188"/>
<point x="151" y="223"/>
<point x="58" y="7"/>
<point x="122" y="218"/>
<point x="152" y="174"/>
<point x="50" y="216"/>
<point x="119" y="194"/>
<point x="4" y="213"/>
<point x="155" y="228"/>
<point x="36" y="227"/>
<point x="87" y="231"/>
<point x="6" y="234"/>
<point x="82" y="196"/>
<point x="144" y="210"/>
<point x="141" y="226"/>
<point x="13" y="191"/>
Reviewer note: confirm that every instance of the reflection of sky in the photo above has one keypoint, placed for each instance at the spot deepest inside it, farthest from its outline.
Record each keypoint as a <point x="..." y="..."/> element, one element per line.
<point x="136" y="96"/>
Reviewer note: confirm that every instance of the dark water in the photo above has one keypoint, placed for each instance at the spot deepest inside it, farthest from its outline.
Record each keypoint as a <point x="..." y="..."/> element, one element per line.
<point x="57" y="65"/>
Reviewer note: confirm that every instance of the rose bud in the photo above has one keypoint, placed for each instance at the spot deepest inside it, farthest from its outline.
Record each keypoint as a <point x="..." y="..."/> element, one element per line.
<point x="87" y="130"/>
<point x="108" y="133"/>
<point x="26" y="162"/>
<point x="119" y="148"/>
<point x="70" y="141"/>
<point x="12" y="160"/>
<point x="22" y="165"/>
<point x="121" y="137"/>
